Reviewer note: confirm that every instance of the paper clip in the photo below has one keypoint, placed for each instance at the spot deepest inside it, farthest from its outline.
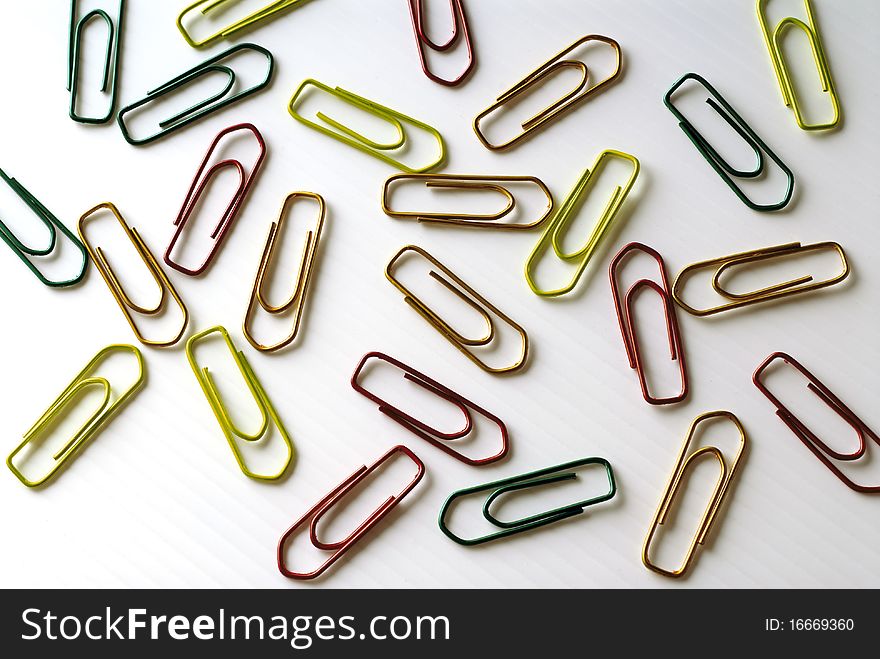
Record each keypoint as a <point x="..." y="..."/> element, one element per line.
<point x="783" y="289"/>
<point x="297" y="299"/>
<point x="572" y="98"/>
<point x="459" y="22"/>
<point x="332" y="499"/>
<point x="111" y="63"/>
<point x="342" y="133"/>
<point x="122" y="298"/>
<point x="97" y="420"/>
<point x="722" y="488"/>
<point x="250" y="20"/>
<point x="473" y="299"/>
<point x="773" y="41"/>
<point x="230" y="430"/>
<point x="212" y="103"/>
<point x="451" y="182"/>
<point x="533" y="479"/>
<point x="819" y="448"/>
<point x="197" y="188"/>
<point x="52" y="224"/>
<point x="430" y="434"/>
<point x="723" y="168"/>
<point x="558" y="224"/>
<point x="627" y="326"/>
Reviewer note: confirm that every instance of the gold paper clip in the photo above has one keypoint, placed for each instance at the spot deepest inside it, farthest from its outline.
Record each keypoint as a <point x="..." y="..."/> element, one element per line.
<point x="558" y="225"/>
<point x="97" y="420"/>
<point x="450" y="182"/>
<point x="473" y="299"/>
<point x="783" y="289"/>
<point x="230" y="430"/>
<point x="122" y="298"/>
<point x="248" y="21"/>
<point x="581" y="92"/>
<point x="722" y="487"/>
<point x="773" y="40"/>
<point x="297" y="299"/>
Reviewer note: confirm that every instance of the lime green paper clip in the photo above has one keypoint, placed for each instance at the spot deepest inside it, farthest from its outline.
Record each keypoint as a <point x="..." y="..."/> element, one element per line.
<point x="230" y="430"/>
<point x="386" y="151"/>
<point x="558" y="224"/>
<point x="773" y="40"/>
<point x="93" y="423"/>
<point x="207" y="6"/>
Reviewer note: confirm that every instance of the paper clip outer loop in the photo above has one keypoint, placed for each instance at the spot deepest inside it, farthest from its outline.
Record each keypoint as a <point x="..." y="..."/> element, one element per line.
<point x="459" y="22"/>
<point x="722" y="485"/>
<point x="537" y="478"/>
<point x="230" y="430"/>
<point x="197" y="188"/>
<point x="718" y="163"/>
<point x="250" y="20"/>
<point x="340" y="548"/>
<point x="774" y="46"/>
<point x="784" y="289"/>
<point x="205" y="107"/>
<point x="299" y="297"/>
<point x="468" y="182"/>
<point x="354" y="139"/>
<point x="102" y="415"/>
<point x="432" y="435"/>
<point x="624" y="312"/>
<point x="53" y="225"/>
<point x="126" y="304"/>
<point x="559" y="222"/>
<point x="819" y="448"/>
<point x="470" y="297"/>
<point x="111" y="62"/>
<point x="580" y="93"/>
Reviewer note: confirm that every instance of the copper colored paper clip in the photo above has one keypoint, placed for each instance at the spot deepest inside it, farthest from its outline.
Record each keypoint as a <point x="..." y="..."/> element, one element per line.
<point x="339" y="548"/>
<point x="436" y="437"/>
<point x="627" y="326"/>
<point x="459" y="29"/>
<point x="819" y="448"/>
<point x="200" y="183"/>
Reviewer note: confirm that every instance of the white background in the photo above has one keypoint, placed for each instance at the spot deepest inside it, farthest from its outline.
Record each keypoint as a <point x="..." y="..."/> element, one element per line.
<point x="156" y="498"/>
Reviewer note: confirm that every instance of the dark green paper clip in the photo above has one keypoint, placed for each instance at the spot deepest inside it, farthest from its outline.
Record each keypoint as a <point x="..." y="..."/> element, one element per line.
<point x="537" y="478"/>
<point x="51" y="223"/>
<point x="719" y="164"/>
<point x="111" y="63"/>
<point x="213" y="103"/>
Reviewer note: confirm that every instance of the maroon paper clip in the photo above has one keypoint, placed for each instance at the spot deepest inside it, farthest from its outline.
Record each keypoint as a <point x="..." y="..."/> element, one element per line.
<point x="197" y="188"/>
<point x="426" y="432"/>
<point x="819" y="448"/>
<point x="459" y="22"/>
<point x="627" y="327"/>
<point x="325" y="504"/>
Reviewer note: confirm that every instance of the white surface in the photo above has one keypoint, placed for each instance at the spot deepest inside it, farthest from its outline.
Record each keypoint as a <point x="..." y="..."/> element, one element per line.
<point x="156" y="498"/>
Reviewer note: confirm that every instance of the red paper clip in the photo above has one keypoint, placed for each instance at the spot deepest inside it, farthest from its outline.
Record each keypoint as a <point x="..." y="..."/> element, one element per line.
<point x="459" y="21"/>
<point x="819" y="448"/>
<point x="197" y="188"/>
<point x="325" y="504"/>
<point x="627" y="327"/>
<point x="426" y="432"/>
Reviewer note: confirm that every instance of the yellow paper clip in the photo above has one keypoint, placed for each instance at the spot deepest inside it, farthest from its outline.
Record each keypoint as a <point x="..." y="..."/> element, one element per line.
<point x="686" y="460"/>
<point x="555" y="231"/>
<point x="97" y="420"/>
<point x="207" y="6"/>
<point x="230" y="430"/>
<point x="297" y="300"/>
<point x="722" y="264"/>
<point x="473" y="299"/>
<point x="774" y="39"/>
<point x="127" y="305"/>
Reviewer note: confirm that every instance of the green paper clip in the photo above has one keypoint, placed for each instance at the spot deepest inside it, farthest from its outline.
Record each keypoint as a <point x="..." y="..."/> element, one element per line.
<point x="353" y="138"/>
<point x="230" y="430"/>
<point x="207" y="6"/>
<point x="111" y="63"/>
